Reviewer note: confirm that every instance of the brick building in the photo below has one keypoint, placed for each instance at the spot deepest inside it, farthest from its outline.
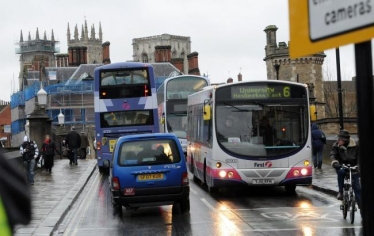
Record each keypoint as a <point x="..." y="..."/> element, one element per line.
<point x="5" y="122"/>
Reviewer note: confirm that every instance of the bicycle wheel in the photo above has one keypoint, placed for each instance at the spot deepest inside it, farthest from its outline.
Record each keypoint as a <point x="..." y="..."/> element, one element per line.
<point x="352" y="210"/>
<point x="345" y="205"/>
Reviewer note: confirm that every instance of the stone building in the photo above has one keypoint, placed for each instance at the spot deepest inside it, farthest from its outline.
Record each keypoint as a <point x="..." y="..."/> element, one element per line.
<point x="86" y="48"/>
<point x="167" y="48"/>
<point x="67" y="78"/>
<point x="306" y="69"/>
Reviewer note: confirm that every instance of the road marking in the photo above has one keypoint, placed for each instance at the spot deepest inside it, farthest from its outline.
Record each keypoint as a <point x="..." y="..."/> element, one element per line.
<point x="84" y="204"/>
<point x="228" y="225"/>
<point x="289" y="229"/>
<point x="193" y="191"/>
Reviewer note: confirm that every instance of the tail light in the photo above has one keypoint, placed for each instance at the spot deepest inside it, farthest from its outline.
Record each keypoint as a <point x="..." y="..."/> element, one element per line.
<point x="115" y="183"/>
<point x="185" y="178"/>
<point x="145" y="90"/>
<point x="98" y="145"/>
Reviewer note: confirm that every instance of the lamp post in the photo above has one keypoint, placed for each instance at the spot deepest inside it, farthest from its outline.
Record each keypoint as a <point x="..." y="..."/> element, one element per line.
<point x="61" y="132"/>
<point x="39" y="121"/>
<point x="42" y="96"/>
<point x="27" y="129"/>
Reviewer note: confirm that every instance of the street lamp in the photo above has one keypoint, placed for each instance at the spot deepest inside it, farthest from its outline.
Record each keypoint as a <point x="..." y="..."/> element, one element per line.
<point x="60" y="132"/>
<point x="42" y="96"/>
<point x="61" y="119"/>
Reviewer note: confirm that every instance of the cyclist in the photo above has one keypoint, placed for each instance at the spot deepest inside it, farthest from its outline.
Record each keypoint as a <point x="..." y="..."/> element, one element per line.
<point x="346" y="151"/>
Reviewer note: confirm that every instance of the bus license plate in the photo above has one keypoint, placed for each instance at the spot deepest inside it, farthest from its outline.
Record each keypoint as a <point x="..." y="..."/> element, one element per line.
<point x="150" y="177"/>
<point x="262" y="181"/>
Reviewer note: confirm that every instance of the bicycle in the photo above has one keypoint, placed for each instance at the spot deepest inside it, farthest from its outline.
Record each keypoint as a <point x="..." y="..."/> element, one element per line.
<point x="349" y="201"/>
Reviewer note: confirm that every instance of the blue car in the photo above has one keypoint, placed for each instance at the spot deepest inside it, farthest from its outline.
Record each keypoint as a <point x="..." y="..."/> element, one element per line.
<point x="149" y="170"/>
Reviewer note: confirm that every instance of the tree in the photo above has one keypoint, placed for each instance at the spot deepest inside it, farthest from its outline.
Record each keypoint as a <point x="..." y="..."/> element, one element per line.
<point x="330" y="93"/>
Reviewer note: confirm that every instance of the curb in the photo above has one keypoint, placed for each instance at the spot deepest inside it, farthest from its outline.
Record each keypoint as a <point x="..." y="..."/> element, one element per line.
<point x="57" y="215"/>
<point x="325" y="190"/>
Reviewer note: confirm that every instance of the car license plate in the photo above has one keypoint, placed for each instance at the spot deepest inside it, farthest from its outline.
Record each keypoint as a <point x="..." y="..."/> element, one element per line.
<point x="262" y="181"/>
<point x="150" y="177"/>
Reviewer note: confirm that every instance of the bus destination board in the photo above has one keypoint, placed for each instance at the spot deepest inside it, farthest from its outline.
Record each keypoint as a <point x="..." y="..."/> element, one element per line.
<point x="260" y="92"/>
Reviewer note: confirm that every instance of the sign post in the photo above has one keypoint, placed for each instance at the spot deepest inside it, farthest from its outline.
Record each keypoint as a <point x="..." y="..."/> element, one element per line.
<point x="316" y="25"/>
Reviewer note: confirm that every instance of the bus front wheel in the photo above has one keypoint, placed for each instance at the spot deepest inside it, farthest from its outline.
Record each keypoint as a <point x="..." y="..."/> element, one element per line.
<point x="290" y="188"/>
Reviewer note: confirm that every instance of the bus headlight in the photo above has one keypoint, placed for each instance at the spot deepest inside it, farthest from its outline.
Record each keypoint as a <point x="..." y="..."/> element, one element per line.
<point x="230" y="174"/>
<point x="296" y="173"/>
<point x="304" y="171"/>
<point x="222" y="174"/>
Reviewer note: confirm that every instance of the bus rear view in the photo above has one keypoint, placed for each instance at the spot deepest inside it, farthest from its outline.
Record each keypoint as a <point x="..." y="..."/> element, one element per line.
<point x="125" y="103"/>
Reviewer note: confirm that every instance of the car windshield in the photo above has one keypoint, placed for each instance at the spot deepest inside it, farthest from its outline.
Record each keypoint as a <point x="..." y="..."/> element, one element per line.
<point x="148" y="152"/>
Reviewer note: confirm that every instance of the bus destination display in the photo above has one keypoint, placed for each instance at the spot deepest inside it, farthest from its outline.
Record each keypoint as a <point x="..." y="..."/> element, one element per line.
<point x="260" y="92"/>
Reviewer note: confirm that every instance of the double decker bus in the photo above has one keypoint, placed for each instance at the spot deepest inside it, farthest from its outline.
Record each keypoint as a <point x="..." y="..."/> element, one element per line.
<point x="172" y="104"/>
<point x="125" y="103"/>
<point x="250" y="134"/>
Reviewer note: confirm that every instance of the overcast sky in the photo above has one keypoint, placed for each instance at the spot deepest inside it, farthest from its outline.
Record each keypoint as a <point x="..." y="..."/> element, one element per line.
<point x="227" y="34"/>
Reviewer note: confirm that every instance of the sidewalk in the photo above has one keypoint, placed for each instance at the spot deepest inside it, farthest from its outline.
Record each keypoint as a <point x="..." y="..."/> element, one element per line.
<point x="54" y="193"/>
<point x="325" y="180"/>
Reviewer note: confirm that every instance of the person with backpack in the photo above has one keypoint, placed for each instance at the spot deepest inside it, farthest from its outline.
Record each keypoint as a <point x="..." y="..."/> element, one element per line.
<point x="318" y="142"/>
<point x="29" y="151"/>
<point x="48" y="151"/>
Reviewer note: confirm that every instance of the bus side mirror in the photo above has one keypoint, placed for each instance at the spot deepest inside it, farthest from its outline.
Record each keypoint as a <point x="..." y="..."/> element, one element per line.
<point x="206" y="112"/>
<point x="313" y="112"/>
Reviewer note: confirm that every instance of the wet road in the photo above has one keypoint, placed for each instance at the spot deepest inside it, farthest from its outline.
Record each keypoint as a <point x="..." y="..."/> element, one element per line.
<point x="254" y="211"/>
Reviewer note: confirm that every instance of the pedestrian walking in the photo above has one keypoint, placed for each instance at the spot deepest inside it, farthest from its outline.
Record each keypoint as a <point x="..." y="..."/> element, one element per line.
<point x="48" y="152"/>
<point x="15" y="197"/>
<point x="318" y="142"/>
<point x="29" y="151"/>
<point x="84" y="145"/>
<point x="73" y="141"/>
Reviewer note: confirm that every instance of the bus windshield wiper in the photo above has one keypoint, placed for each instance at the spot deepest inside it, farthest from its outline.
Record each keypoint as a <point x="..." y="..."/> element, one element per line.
<point x="181" y="113"/>
<point x="237" y="108"/>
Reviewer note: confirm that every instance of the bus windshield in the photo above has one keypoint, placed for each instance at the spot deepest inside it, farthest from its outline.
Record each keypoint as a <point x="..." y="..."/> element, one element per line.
<point x="126" y="118"/>
<point x="261" y="129"/>
<point x="124" y="83"/>
<point x="172" y="95"/>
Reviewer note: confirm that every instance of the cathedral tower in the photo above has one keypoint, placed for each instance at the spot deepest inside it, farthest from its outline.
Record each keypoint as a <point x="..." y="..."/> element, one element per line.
<point x="35" y="55"/>
<point x="86" y="48"/>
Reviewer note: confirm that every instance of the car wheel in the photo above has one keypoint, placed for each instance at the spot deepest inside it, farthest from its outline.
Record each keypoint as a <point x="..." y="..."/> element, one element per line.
<point x="185" y="206"/>
<point x="118" y="210"/>
<point x="176" y="208"/>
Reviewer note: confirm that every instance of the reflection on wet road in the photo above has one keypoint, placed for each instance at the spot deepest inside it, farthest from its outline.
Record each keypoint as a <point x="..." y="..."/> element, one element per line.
<point x="254" y="211"/>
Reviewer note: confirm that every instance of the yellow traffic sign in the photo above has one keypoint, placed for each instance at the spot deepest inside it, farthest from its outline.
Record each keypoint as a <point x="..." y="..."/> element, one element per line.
<point x="317" y="25"/>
